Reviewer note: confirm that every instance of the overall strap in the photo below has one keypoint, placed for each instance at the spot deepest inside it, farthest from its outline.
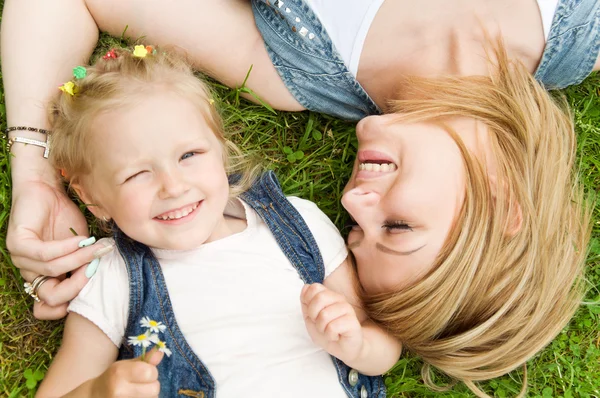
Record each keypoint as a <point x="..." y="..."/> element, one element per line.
<point x="148" y="296"/>
<point x="288" y="227"/>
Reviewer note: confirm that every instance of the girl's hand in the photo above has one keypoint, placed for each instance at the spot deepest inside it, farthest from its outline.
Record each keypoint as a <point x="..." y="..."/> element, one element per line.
<point x="40" y="243"/>
<point x="332" y="322"/>
<point x="130" y="378"/>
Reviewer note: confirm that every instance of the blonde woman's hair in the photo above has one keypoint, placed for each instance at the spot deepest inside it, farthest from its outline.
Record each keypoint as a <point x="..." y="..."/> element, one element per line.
<point x="119" y="83"/>
<point x="496" y="296"/>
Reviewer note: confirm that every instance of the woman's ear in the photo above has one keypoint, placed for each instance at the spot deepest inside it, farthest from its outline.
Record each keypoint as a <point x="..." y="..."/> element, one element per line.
<point x="514" y="211"/>
<point x="96" y="209"/>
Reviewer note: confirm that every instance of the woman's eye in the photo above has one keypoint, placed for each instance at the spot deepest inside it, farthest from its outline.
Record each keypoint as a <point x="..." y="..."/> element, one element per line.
<point x="396" y="226"/>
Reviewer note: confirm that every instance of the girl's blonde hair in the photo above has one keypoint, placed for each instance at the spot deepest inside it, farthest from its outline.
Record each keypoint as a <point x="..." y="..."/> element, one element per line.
<point x="498" y="293"/>
<point x="117" y="83"/>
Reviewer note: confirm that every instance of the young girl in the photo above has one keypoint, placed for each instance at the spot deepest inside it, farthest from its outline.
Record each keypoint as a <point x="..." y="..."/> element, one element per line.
<point x="216" y="265"/>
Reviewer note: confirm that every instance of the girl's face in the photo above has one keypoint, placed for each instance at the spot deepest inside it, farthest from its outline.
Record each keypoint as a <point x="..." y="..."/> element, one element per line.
<point x="159" y="173"/>
<point x="406" y="207"/>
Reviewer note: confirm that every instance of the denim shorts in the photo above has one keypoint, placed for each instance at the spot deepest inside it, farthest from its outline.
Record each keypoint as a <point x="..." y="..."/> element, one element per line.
<point x="315" y="74"/>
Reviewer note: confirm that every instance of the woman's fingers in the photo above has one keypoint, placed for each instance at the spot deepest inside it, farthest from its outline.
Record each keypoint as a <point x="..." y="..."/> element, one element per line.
<point x="55" y="292"/>
<point x="70" y="257"/>
<point x="44" y="312"/>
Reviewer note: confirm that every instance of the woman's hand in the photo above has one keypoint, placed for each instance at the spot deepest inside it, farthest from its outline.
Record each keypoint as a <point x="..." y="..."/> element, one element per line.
<point x="40" y="243"/>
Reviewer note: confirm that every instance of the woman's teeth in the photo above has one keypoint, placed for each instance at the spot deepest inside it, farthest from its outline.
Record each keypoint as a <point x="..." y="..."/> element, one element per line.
<point x="177" y="214"/>
<point x="383" y="168"/>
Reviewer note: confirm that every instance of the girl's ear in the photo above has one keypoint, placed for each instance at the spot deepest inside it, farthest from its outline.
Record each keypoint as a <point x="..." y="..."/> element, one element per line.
<point x="87" y="199"/>
<point x="514" y="211"/>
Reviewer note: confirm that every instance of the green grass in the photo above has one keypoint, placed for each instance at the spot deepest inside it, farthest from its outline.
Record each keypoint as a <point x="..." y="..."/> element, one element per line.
<point x="312" y="154"/>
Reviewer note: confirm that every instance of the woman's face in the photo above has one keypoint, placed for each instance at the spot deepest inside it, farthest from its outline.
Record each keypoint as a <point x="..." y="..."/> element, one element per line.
<point x="405" y="192"/>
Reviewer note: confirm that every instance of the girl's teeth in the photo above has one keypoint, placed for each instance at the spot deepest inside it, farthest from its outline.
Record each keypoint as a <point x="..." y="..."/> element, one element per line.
<point x="382" y="168"/>
<point x="179" y="213"/>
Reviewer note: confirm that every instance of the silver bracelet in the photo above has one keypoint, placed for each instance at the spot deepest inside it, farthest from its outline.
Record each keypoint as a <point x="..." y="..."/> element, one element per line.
<point x="23" y="140"/>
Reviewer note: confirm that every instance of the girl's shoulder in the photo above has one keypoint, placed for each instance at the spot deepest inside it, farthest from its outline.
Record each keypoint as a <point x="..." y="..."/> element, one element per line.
<point x="331" y="243"/>
<point x="104" y="300"/>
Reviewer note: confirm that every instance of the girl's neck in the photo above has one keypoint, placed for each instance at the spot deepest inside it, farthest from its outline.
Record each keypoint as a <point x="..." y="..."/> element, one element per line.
<point x="445" y="37"/>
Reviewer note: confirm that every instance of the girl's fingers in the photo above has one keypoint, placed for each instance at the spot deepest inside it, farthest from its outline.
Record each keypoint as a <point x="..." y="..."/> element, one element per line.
<point x="154" y="357"/>
<point x="329" y="315"/>
<point x="340" y="327"/>
<point x="320" y="301"/>
<point x="146" y="390"/>
<point x="309" y="291"/>
<point x="142" y="372"/>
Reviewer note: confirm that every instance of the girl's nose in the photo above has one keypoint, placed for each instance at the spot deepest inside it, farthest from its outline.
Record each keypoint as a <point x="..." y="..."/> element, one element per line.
<point x="173" y="185"/>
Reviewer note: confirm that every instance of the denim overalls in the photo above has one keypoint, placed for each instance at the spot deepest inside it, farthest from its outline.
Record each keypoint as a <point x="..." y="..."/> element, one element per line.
<point x="183" y="374"/>
<point x="315" y="74"/>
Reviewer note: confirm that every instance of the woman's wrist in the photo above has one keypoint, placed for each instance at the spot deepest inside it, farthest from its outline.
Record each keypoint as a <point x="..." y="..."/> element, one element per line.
<point x="28" y="163"/>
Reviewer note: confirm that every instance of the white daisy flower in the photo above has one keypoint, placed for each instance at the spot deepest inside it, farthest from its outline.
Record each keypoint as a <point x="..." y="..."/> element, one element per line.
<point x="153" y="326"/>
<point x="162" y="347"/>
<point x="144" y="340"/>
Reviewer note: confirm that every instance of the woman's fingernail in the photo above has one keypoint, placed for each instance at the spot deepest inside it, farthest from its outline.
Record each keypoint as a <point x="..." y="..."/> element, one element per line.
<point x="87" y="242"/>
<point x="101" y="252"/>
<point x="90" y="270"/>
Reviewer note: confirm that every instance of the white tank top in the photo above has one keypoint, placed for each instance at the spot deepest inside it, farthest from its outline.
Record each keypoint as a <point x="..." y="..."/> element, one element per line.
<point x="348" y="21"/>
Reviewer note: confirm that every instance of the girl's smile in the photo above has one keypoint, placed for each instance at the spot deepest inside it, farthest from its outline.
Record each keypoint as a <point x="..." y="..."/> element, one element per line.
<point x="181" y="215"/>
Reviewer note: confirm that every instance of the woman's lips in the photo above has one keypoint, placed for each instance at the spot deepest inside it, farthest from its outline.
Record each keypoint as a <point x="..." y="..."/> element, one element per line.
<point x="373" y="164"/>
<point x="374" y="157"/>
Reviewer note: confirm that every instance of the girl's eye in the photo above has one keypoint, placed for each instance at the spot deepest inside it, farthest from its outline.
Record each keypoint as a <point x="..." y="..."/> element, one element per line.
<point x="187" y="155"/>
<point x="396" y="226"/>
<point x="133" y="176"/>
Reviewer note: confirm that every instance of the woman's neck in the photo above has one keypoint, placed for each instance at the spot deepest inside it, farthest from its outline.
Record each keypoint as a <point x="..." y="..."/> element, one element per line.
<point x="441" y="37"/>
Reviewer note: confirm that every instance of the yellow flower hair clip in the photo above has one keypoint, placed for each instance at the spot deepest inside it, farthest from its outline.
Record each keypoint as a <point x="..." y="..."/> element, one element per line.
<point x="79" y="72"/>
<point x="141" y="51"/>
<point x="69" y="88"/>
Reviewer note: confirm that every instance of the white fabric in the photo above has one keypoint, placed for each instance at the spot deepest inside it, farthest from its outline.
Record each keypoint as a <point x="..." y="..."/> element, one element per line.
<point x="547" y="11"/>
<point x="347" y="23"/>
<point x="237" y="301"/>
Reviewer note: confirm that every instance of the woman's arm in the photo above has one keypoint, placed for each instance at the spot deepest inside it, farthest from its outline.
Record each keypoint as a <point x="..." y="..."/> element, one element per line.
<point x="41" y="42"/>
<point x="336" y="322"/>
<point x="85" y="367"/>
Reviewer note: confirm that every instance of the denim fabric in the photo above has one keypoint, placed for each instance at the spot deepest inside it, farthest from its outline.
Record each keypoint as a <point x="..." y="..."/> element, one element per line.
<point x="573" y="44"/>
<point x="317" y="77"/>
<point x="183" y="374"/>
<point x="308" y="62"/>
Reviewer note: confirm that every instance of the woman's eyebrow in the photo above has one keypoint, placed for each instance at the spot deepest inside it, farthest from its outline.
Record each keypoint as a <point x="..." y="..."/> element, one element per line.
<point x="385" y="249"/>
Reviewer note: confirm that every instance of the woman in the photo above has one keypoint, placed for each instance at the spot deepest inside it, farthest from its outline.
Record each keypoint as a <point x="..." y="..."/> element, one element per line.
<point x="296" y="66"/>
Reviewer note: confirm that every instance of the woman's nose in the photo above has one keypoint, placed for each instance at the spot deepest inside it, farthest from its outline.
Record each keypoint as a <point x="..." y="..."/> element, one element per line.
<point x="358" y="199"/>
<point x="368" y="126"/>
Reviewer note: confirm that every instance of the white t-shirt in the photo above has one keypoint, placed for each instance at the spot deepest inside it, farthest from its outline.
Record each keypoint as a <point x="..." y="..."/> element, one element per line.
<point x="237" y="301"/>
<point x="347" y="22"/>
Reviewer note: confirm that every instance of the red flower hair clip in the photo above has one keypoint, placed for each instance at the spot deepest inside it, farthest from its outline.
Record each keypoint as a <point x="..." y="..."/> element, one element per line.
<point x="110" y="55"/>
